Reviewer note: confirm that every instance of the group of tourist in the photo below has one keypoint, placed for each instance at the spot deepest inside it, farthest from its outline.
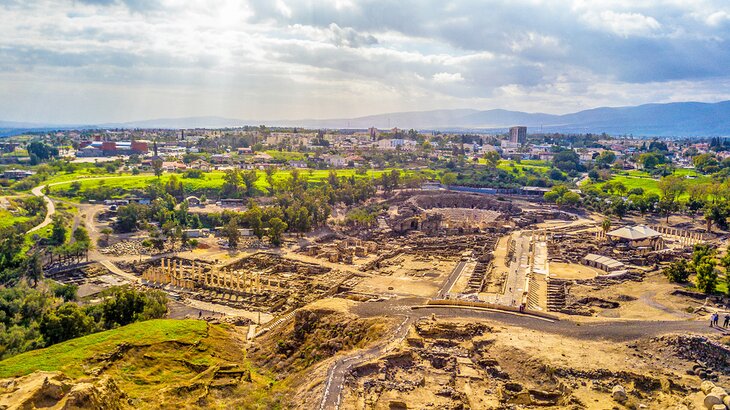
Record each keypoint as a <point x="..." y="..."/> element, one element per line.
<point x="715" y="319"/>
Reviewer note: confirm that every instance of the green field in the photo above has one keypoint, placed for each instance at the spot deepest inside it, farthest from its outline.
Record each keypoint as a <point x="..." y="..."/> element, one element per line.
<point x="71" y="355"/>
<point x="7" y="219"/>
<point x="642" y="179"/>
<point x="211" y="180"/>
<point x="541" y="167"/>
<point x="286" y="155"/>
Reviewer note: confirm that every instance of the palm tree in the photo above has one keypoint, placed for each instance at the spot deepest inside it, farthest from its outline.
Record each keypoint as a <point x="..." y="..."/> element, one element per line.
<point x="606" y="225"/>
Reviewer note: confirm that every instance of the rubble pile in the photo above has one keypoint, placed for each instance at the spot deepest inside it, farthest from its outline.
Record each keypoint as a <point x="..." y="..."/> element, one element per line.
<point x="131" y="247"/>
<point x="709" y="354"/>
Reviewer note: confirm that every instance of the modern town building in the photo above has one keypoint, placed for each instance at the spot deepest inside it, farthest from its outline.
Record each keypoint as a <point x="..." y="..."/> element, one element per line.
<point x="518" y="134"/>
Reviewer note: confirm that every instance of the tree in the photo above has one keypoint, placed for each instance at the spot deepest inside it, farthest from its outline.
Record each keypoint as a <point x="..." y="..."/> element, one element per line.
<point x="58" y="230"/>
<point x="605" y="158"/>
<point x="157" y="167"/>
<point x="492" y="158"/>
<point x="254" y="220"/>
<point x="618" y="207"/>
<point x="249" y="180"/>
<point x="231" y="233"/>
<point x="128" y="217"/>
<point x="276" y="229"/>
<point x="706" y="278"/>
<point x="127" y="305"/>
<point x="231" y="182"/>
<point x="81" y="235"/>
<point x="606" y="225"/>
<point x="702" y="252"/>
<point x="66" y="322"/>
<point x="567" y="160"/>
<point x="677" y="271"/>
<point x="106" y="232"/>
<point x="42" y="151"/>
<point x="717" y="214"/>
<point x="569" y="199"/>
<point x="706" y="163"/>
<point x="270" y="171"/>
<point x="34" y="268"/>
<point x="448" y="178"/>
<point x="650" y="160"/>
<point x="672" y="187"/>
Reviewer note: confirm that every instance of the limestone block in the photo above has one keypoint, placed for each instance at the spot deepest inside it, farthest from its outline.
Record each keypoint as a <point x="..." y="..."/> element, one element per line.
<point x="619" y="393"/>
<point x="711" y="400"/>
<point x="707" y="386"/>
<point x="719" y="391"/>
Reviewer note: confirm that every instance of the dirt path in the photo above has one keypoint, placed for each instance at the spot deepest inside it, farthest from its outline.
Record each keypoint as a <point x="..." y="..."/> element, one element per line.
<point x="50" y="208"/>
<point x="615" y="331"/>
<point x="336" y="375"/>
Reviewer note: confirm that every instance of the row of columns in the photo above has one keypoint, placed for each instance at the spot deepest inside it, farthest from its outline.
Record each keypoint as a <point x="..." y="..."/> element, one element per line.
<point x="685" y="237"/>
<point x="175" y="273"/>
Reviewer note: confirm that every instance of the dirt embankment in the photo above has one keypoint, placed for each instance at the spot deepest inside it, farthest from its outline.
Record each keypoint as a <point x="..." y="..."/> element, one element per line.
<point x="456" y="364"/>
<point x="211" y="371"/>
<point x="317" y="332"/>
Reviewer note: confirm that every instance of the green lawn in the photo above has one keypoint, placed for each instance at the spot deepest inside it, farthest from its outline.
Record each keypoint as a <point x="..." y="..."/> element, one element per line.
<point x="286" y="155"/>
<point x="69" y="356"/>
<point x="7" y="219"/>
<point x="211" y="180"/>
<point x="541" y="167"/>
<point x="642" y="179"/>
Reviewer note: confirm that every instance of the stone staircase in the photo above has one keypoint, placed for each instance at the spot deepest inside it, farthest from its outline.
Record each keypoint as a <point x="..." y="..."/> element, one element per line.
<point x="274" y="324"/>
<point x="555" y="295"/>
<point x="537" y="288"/>
<point x="476" y="280"/>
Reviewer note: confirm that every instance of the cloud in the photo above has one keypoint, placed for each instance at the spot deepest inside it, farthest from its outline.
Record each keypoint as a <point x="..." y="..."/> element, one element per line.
<point x="446" y="78"/>
<point x="309" y="58"/>
<point x="623" y="24"/>
<point x="349" y="37"/>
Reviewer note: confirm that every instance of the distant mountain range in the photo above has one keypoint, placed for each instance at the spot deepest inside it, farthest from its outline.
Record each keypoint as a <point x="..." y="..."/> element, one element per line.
<point x="682" y="119"/>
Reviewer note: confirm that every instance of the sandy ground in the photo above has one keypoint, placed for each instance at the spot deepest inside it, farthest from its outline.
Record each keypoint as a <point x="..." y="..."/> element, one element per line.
<point x="463" y="281"/>
<point x="408" y="275"/>
<point x="651" y="298"/>
<point x="530" y="358"/>
<point x="562" y="270"/>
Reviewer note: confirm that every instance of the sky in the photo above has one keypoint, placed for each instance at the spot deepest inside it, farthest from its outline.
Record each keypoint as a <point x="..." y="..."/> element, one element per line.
<point x="98" y="61"/>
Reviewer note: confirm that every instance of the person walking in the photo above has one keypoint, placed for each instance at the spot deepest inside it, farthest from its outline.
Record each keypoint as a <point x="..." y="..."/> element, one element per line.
<point x="714" y="319"/>
<point x="726" y="322"/>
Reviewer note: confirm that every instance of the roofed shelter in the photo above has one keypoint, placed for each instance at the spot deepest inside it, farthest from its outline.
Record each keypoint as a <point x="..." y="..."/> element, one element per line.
<point x="637" y="237"/>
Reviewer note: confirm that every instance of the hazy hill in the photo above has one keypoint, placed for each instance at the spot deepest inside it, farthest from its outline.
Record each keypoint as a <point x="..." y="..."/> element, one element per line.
<point x="673" y="119"/>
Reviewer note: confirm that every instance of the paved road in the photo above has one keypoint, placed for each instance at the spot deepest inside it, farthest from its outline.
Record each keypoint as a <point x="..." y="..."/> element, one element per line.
<point x="453" y="277"/>
<point x="615" y="331"/>
<point x="50" y="208"/>
<point x="341" y="368"/>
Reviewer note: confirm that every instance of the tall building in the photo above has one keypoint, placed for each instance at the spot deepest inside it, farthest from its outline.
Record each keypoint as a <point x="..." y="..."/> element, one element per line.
<point x="518" y="134"/>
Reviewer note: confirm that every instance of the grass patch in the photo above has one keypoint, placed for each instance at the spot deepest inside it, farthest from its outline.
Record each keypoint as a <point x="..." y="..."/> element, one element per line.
<point x="211" y="180"/>
<point x="541" y="167"/>
<point x="8" y="219"/>
<point x="69" y="356"/>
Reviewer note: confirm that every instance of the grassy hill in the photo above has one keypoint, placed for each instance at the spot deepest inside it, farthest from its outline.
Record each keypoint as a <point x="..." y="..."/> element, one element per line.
<point x="69" y="356"/>
<point x="158" y="363"/>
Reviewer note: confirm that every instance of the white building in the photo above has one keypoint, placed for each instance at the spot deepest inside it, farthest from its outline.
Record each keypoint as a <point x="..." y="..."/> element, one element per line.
<point x="395" y="143"/>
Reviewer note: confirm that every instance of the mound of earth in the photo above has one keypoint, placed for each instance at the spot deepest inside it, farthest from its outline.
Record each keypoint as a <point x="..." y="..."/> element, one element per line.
<point x="153" y="364"/>
<point x="317" y="332"/>
<point x="460" y="364"/>
<point x="53" y="389"/>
